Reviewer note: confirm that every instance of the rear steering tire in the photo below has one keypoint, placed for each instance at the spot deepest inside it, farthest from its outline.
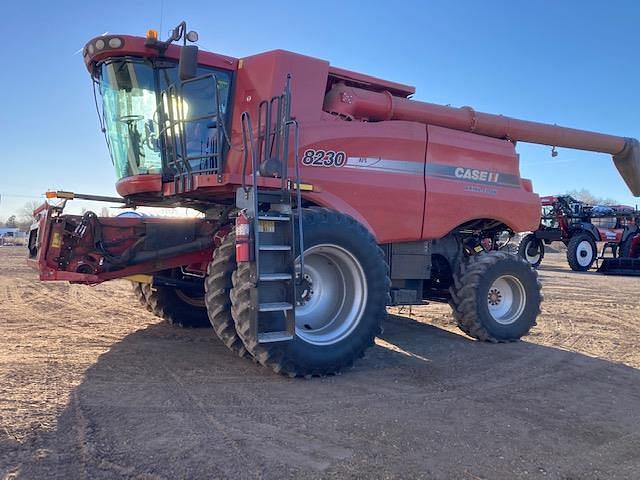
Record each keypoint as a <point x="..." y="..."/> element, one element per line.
<point x="531" y="249"/>
<point x="496" y="297"/>
<point x="342" y="311"/>
<point x="581" y="252"/>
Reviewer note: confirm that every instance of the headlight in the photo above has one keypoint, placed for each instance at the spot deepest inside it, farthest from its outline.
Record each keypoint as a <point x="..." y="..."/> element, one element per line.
<point x="115" y="42"/>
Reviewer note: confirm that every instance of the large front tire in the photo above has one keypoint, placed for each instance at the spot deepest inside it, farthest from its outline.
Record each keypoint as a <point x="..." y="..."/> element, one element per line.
<point x="496" y="297"/>
<point x="217" y="288"/>
<point x="343" y="303"/>
<point x="581" y="252"/>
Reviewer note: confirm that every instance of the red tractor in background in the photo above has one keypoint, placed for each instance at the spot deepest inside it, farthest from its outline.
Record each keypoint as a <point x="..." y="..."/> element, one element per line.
<point x="581" y="227"/>
<point x="325" y="195"/>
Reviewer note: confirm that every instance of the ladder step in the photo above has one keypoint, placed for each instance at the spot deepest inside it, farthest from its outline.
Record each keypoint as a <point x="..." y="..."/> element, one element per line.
<point x="275" y="248"/>
<point x="275" y="307"/>
<point x="275" y="277"/>
<point x="277" y="218"/>
<point x="268" y="337"/>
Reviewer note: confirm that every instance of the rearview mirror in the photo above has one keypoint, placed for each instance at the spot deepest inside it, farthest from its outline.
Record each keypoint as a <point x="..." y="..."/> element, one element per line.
<point x="188" y="64"/>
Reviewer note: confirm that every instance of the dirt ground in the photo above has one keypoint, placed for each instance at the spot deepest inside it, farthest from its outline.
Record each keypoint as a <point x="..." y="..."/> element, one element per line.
<point x="93" y="386"/>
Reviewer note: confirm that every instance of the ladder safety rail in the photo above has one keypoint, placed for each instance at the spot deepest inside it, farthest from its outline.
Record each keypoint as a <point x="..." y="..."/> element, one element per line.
<point x="248" y="142"/>
<point x="296" y="143"/>
<point x="277" y="235"/>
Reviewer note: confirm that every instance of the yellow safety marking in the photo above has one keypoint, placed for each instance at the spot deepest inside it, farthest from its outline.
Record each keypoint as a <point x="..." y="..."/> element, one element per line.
<point x="55" y="240"/>
<point x="305" y="187"/>
<point x="140" y="278"/>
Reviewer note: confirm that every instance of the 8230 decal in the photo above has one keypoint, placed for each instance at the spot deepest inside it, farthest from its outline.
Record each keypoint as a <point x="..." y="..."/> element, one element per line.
<point x="323" y="158"/>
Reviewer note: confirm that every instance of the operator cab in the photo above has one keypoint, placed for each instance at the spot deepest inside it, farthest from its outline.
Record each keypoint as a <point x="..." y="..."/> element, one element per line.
<point x="158" y="124"/>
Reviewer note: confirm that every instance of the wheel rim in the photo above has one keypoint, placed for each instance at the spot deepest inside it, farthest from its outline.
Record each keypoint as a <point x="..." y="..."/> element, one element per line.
<point x="189" y="300"/>
<point x="506" y="299"/>
<point x="584" y="253"/>
<point x="532" y="252"/>
<point x="332" y="295"/>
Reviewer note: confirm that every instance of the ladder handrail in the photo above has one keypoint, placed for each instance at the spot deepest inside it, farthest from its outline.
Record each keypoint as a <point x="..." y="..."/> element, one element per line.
<point x="280" y="141"/>
<point x="248" y="138"/>
<point x="296" y="143"/>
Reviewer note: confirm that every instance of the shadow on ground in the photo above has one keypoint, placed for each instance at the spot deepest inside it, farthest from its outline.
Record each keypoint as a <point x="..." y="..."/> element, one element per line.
<point x="425" y="403"/>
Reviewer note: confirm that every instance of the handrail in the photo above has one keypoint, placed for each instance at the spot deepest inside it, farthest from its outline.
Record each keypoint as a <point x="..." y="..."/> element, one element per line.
<point x="280" y="142"/>
<point x="296" y="143"/>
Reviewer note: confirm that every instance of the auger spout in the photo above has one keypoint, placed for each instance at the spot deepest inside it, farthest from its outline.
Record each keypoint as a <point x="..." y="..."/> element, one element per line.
<point x="378" y="106"/>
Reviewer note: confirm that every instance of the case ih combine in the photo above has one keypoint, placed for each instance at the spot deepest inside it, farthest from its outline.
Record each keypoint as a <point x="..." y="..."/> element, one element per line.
<point x="580" y="227"/>
<point x="325" y="194"/>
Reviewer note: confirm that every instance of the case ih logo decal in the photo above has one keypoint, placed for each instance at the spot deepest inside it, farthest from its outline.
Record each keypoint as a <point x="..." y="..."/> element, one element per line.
<point x="474" y="175"/>
<point x="480" y="175"/>
<point x="323" y="158"/>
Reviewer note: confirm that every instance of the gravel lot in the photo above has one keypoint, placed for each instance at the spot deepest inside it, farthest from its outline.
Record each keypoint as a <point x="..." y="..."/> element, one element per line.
<point x="93" y="386"/>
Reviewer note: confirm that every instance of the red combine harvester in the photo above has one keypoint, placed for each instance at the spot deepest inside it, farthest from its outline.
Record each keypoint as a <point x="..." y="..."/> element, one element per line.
<point x="325" y="195"/>
<point x="580" y="227"/>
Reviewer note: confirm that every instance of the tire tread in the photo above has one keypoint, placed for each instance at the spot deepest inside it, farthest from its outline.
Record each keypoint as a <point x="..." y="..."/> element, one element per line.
<point x="463" y="293"/>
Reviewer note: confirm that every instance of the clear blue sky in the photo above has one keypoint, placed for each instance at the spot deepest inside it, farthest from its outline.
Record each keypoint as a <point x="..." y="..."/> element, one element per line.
<point x="574" y="63"/>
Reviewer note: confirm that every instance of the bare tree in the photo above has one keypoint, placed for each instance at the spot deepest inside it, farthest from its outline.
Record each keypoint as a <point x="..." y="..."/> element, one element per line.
<point x="26" y="212"/>
<point x="587" y="197"/>
<point x="104" y="212"/>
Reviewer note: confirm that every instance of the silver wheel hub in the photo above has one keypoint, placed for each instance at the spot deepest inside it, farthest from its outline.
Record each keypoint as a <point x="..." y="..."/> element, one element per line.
<point x="332" y="295"/>
<point x="506" y="299"/>
<point x="584" y="253"/>
<point x="305" y="290"/>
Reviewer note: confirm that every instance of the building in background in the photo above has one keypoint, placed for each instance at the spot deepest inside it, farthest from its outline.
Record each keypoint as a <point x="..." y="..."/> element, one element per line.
<point x="12" y="236"/>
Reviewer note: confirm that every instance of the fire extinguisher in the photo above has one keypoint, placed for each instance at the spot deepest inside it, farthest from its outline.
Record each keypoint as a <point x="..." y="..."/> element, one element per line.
<point x="243" y="238"/>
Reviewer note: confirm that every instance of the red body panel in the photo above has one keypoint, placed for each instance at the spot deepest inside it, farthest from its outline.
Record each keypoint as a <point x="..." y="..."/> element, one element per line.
<point x="150" y="183"/>
<point x="381" y="183"/>
<point x="392" y="180"/>
<point x="455" y="196"/>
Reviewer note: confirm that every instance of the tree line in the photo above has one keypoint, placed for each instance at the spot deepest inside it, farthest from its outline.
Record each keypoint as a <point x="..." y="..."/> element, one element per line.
<point x="23" y="218"/>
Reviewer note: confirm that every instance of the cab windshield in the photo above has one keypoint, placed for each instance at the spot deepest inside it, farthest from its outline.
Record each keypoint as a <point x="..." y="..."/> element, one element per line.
<point x="131" y="94"/>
